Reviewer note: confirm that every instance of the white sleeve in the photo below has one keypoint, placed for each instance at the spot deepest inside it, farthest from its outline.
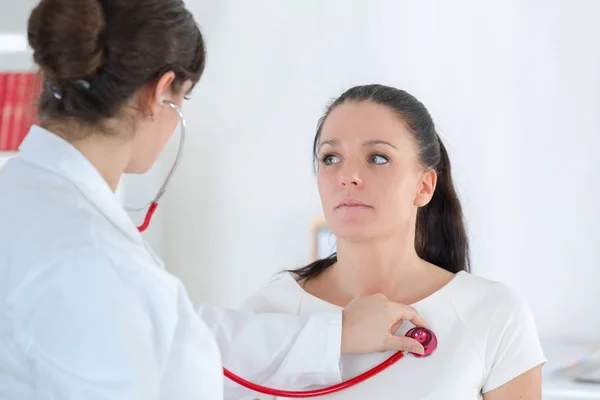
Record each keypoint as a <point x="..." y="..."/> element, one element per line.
<point x="85" y="336"/>
<point x="194" y="369"/>
<point x="513" y="346"/>
<point x="277" y="350"/>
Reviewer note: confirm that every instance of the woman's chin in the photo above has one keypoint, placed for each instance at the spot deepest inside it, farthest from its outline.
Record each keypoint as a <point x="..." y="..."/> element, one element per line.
<point x="354" y="233"/>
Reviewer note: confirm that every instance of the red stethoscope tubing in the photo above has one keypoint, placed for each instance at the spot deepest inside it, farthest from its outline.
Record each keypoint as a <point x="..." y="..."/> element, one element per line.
<point x="424" y="336"/>
<point x="148" y="217"/>
<point x="302" y="393"/>
<point x="315" y="392"/>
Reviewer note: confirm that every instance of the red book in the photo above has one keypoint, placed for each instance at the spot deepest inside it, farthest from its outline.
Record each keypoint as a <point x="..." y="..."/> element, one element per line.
<point x="3" y="112"/>
<point x="17" y="111"/>
<point x="32" y="94"/>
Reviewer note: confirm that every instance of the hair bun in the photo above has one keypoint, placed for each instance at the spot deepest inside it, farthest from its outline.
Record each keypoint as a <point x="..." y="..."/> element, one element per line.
<point x="65" y="36"/>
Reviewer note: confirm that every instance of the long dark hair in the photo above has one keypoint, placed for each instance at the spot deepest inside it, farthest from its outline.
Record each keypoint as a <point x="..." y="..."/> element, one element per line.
<point x="441" y="236"/>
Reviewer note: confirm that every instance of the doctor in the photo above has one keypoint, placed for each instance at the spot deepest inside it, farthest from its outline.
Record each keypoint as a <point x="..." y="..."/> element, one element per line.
<point x="87" y="311"/>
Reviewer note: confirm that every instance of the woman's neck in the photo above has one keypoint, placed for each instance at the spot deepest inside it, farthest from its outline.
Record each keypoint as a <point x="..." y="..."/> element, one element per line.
<point x="383" y="266"/>
<point x="109" y="154"/>
<point x="389" y="266"/>
<point x="109" y="158"/>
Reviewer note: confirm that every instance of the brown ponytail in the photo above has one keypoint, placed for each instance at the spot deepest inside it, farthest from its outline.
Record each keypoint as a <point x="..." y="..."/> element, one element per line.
<point x="441" y="237"/>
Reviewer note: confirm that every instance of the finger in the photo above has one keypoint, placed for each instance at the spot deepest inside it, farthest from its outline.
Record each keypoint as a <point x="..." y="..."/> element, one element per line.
<point x="380" y="296"/>
<point x="403" y="343"/>
<point x="408" y="313"/>
<point x="395" y="327"/>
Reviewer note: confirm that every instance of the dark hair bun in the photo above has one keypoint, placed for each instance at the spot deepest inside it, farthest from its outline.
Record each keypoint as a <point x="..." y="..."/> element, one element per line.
<point x="95" y="55"/>
<point x="66" y="38"/>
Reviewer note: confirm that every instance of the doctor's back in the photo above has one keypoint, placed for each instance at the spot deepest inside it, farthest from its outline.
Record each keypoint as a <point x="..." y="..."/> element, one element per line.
<point x="87" y="311"/>
<point x="68" y="278"/>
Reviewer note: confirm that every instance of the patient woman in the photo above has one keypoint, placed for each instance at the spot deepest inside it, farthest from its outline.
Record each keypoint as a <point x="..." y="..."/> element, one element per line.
<point x="387" y="194"/>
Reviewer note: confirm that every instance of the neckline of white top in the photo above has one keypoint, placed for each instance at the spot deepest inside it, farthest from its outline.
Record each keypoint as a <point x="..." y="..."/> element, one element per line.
<point x="423" y="303"/>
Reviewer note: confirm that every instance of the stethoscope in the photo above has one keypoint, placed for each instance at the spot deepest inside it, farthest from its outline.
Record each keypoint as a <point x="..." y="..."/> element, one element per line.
<point x="154" y="203"/>
<point x="424" y="336"/>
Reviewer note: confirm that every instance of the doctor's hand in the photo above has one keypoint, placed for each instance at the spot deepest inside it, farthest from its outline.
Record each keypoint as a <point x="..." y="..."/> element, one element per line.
<point x="369" y="324"/>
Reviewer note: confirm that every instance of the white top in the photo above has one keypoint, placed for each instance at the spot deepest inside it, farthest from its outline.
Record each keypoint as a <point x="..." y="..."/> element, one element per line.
<point x="486" y="337"/>
<point x="87" y="311"/>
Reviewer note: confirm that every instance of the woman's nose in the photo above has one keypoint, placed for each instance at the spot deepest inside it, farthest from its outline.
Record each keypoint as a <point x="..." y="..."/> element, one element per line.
<point x="350" y="176"/>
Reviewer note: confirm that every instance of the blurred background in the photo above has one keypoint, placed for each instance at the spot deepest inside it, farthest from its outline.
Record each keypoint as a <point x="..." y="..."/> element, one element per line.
<point x="513" y="86"/>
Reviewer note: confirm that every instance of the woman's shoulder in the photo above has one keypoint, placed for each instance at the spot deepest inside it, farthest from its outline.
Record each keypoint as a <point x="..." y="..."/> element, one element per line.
<point x="501" y="326"/>
<point x="492" y="311"/>
<point x="476" y="294"/>
<point x="281" y="294"/>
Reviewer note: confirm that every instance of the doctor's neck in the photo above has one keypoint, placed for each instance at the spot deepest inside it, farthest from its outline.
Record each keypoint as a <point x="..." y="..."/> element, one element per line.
<point x="108" y="153"/>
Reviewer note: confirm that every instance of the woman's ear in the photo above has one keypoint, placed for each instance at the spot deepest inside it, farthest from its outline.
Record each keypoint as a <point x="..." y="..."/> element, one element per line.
<point x="426" y="188"/>
<point x="157" y="93"/>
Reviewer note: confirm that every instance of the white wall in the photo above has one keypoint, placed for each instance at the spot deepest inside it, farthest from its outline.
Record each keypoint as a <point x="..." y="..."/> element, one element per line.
<point x="513" y="87"/>
<point x="14" y="56"/>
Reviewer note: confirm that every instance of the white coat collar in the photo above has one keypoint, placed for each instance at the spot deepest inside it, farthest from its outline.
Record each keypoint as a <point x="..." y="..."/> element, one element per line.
<point x="49" y="151"/>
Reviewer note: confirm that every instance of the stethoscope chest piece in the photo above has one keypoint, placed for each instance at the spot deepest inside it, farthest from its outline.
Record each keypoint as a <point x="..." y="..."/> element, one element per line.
<point x="427" y="339"/>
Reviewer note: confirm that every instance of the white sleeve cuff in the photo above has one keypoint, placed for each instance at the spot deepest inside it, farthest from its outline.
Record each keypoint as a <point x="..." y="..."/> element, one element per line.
<point x="314" y="359"/>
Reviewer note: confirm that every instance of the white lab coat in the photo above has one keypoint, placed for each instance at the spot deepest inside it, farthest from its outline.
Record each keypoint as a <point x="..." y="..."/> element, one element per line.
<point x="87" y="310"/>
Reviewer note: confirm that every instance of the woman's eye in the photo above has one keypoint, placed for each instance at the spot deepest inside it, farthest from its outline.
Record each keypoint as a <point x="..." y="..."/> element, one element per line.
<point x="378" y="159"/>
<point x="329" y="159"/>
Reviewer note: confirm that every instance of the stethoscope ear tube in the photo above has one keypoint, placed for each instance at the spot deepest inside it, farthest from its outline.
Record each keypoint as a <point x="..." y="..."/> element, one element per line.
<point x="153" y="205"/>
